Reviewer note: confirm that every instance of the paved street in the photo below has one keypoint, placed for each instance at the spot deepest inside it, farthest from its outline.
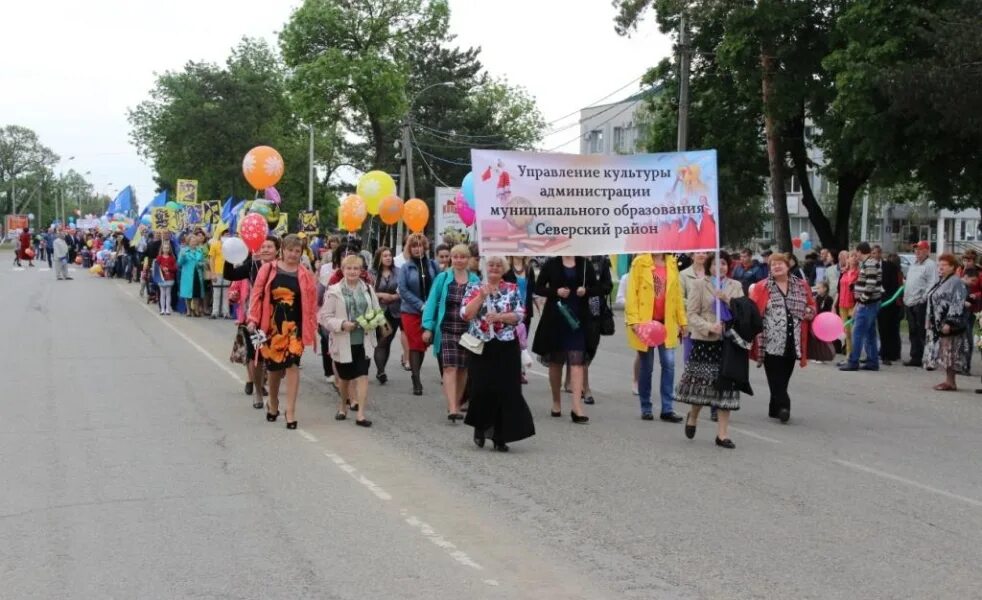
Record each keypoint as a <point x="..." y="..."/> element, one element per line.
<point x="134" y="467"/>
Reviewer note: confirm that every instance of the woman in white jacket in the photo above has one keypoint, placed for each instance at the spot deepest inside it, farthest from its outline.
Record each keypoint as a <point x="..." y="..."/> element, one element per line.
<point x="350" y="346"/>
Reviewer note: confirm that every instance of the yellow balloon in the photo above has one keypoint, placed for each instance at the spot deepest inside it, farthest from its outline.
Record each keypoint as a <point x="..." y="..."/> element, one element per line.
<point x="352" y="213"/>
<point x="373" y="187"/>
<point x="415" y="213"/>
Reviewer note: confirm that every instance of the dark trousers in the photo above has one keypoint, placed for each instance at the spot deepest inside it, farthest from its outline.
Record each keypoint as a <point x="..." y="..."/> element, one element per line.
<point x="888" y="325"/>
<point x="778" y="370"/>
<point x="326" y="355"/>
<point x="916" y="316"/>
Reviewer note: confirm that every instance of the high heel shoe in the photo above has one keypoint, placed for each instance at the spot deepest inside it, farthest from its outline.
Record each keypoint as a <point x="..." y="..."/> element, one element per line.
<point x="452" y="417"/>
<point x="290" y="425"/>
<point x="690" y="430"/>
<point x="271" y="417"/>
<point x="579" y="419"/>
<point x="555" y="413"/>
<point x="478" y="438"/>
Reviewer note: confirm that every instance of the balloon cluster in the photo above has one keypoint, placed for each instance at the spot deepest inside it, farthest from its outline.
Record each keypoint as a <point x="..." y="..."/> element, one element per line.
<point x="376" y="196"/>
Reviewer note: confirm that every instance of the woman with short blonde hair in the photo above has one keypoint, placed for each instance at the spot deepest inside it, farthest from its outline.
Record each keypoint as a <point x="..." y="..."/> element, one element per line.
<point x="415" y="282"/>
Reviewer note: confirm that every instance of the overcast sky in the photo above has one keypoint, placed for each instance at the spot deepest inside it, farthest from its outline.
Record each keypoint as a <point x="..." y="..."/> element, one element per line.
<point x="71" y="69"/>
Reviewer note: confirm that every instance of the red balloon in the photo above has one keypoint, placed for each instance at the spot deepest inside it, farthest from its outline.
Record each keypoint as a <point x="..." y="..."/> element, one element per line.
<point x="652" y="333"/>
<point x="253" y="231"/>
<point x="796" y="242"/>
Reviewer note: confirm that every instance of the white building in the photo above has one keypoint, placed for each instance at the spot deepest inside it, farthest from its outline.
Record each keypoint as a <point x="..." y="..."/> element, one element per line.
<point x="612" y="128"/>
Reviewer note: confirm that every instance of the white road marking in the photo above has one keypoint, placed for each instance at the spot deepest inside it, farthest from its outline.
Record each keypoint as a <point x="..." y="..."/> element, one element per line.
<point x="307" y="436"/>
<point x="755" y="435"/>
<point x="425" y="529"/>
<point x="18" y="268"/>
<point x="431" y="534"/>
<point x="910" y="482"/>
<point x="44" y="269"/>
<point x="193" y="343"/>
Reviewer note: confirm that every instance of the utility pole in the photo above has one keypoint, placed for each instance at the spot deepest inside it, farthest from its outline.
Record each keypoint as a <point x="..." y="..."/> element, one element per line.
<point x="405" y="175"/>
<point x="683" y="126"/>
<point x="310" y="175"/>
<point x="864" y="226"/>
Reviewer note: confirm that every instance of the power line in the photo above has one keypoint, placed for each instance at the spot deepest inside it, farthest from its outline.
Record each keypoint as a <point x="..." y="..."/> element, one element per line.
<point x="442" y="133"/>
<point x="625" y="86"/>
<point x="422" y="158"/>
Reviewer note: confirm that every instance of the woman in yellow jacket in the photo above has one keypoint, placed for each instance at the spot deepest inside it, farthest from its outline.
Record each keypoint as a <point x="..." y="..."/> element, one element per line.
<point x="654" y="292"/>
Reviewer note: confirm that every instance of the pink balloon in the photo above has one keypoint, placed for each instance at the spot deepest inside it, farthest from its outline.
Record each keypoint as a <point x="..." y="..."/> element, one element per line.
<point x="828" y="327"/>
<point x="652" y="333"/>
<point x="253" y="230"/>
<point x="464" y="210"/>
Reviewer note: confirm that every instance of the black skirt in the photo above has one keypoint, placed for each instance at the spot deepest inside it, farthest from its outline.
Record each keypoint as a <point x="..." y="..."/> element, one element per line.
<point x="358" y="367"/>
<point x="496" y="404"/>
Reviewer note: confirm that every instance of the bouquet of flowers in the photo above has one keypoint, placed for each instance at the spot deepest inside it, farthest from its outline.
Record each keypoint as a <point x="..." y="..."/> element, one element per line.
<point x="372" y="319"/>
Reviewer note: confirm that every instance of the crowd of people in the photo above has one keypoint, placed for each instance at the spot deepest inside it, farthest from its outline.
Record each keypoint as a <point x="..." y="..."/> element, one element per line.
<point x="484" y="318"/>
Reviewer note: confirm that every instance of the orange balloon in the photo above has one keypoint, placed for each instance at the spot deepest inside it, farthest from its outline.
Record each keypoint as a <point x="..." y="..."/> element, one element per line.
<point x="390" y="210"/>
<point x="353" y="213"/>
<point x="415" y="213"/>
<point x="262" y="167"/>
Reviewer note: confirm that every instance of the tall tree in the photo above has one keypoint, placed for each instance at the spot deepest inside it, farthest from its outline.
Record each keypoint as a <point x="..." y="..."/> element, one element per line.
<point x="22" y="153"/>
<point x="201" y="121"/>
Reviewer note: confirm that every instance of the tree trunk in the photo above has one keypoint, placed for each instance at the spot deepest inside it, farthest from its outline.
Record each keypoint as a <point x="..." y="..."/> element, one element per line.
<point x="775" y="154"/>
<point x="799" y="163"/>
<point x="849" y="182"/>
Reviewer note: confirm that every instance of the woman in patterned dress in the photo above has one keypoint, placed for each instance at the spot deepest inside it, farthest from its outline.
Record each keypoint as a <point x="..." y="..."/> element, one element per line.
<point x="284" y="304"/>
<point x="443" y="326"/>
<point x="946" y="347"/>
<point x="697" y="387"/>
<point x="497" y="409"/>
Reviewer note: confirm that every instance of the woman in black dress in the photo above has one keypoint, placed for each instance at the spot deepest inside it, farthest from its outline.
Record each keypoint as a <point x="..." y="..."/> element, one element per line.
<point x="565" y="327"/>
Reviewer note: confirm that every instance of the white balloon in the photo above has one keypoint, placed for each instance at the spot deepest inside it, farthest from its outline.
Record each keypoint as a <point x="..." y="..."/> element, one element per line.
<point x="804" y="236"/>
<point x="234" y="250"/>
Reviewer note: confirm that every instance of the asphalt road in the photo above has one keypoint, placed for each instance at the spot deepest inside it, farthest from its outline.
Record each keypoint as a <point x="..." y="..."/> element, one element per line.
<point x="132" y="466"/>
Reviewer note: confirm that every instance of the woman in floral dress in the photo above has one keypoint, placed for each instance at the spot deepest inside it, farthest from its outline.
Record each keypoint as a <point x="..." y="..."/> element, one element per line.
<point x="497" y="409"/>
<point x="284" y="304"/>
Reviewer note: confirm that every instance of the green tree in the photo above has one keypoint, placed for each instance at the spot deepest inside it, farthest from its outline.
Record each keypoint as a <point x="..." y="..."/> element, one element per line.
<point x="201" y="121"/>
<point x="22" y="154"/>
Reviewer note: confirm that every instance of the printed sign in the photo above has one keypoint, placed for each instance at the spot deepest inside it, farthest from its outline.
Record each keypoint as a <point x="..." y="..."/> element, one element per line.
<point x="160" y="219"/>
<point x="309" y="220"/>
<point x="211" y="212"/>
<point x="187" y="191"/>
<point x="532" y="204"/>
<point x="449" y="228"/>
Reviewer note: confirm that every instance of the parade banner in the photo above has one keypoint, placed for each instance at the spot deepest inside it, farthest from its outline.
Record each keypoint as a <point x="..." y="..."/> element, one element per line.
<point x="309" y="221"/>
<point x="17" y="222"/>
<point x="193" y="214"/>
<point x="187" y="191"/>
<point x="160" y="219"/>
<point x="282" y="227"/>
<point x="450" y="229"/>
<point x="537" y="204"/>
<point x="85" y="224"/>
<point x="211" y="212"/>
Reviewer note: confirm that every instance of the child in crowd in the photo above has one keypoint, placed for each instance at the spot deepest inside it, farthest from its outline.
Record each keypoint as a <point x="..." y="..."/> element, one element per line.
<point x="166" y="271"/>
<point x="823" y="299"/>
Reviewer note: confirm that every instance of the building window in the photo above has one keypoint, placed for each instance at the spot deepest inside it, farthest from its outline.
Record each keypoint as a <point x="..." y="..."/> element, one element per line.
<point x="618" y="139"/>
<point x="792" y="185"/>
<point x="596" y="141"/>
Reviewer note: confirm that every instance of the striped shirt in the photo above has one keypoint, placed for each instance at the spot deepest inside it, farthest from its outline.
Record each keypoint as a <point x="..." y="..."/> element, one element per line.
<point x="869" y="284"/>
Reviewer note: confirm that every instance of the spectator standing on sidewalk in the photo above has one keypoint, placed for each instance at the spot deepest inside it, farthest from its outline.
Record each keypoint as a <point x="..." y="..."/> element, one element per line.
<point x="60" y="251"/>
<point x="921" y="277"/>
<point x="219" y="299"/>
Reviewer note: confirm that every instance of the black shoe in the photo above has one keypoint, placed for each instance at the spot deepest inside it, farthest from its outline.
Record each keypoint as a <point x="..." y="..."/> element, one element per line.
<point x="913" y="363"/>
<point x="588" y="400"/>
<point x="478" y="439"/>
<point x="727" y="443"/>
<point x="257" y="404"/>
<point x="382" y="378"/>
<point x="555" y="413"/>
<point x="784" y="415"/>
<point x="849" y="367"/>
<point x="690" y="430"/>
<point x="978" y="390"/>
<point x="340" y="416"/>
<point x="272" y="416"/>
<point x="647" y="417"/>
<point x="671" y="418"/>
<point x="867" y="367"/>
<point x="452" y="417"/>
<point x="292" y="425"/>
<point x="249" y="388"/>
<point x="578" y="419"/>
<point x="888" y="363"/>
<point x="363" y="423"/>
<point x="353" y="407"/>
<point x="500" y="447"/>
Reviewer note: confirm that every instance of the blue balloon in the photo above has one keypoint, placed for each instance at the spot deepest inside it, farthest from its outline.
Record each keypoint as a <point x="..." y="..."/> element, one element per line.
<point x="467" y="188"/>
<point x="145" y="219"/>
<point x="807" y="245"/>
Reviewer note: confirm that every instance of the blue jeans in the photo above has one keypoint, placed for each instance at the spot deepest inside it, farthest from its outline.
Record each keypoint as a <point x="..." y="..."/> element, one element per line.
<point x="666" y="357"/>
<point x="864" y="335"/>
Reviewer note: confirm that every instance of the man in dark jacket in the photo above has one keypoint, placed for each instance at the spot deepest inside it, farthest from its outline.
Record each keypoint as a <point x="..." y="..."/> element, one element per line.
<point x="749" y="271"/>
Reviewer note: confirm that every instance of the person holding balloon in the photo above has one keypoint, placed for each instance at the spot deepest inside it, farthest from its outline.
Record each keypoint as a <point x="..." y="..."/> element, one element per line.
<point x="655" y="317"/>
<point x="415" y="282"/>
<point x="284" y="306"/>
<point x="786" y="307"/>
